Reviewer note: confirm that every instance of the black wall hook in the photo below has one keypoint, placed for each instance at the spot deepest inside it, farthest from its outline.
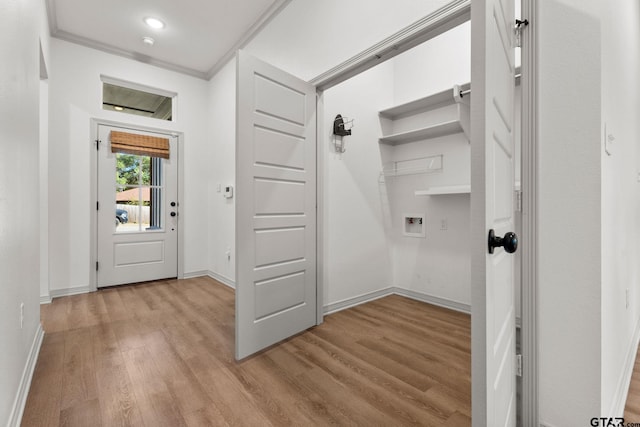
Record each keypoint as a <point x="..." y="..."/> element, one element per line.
<point x="338" y="127"/>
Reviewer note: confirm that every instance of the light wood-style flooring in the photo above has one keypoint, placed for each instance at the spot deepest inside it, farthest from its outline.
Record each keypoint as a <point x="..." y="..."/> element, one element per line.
<point x="161" y="354"/>
<point x="632" y="409"/>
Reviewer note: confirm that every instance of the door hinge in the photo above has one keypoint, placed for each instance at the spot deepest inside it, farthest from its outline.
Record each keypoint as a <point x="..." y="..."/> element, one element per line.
<point x="98" y="144"/>
<point x="518" y="200"/>
<point x="518" y="365"/>
<point x="97" y="265"/>
<point x="97" y="206"/>
<point x="518" y="30"/>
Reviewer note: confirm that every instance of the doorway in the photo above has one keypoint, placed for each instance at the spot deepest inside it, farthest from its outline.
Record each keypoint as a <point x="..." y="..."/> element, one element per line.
<point x="136" y="206"/>
<point x="459" y="12"/>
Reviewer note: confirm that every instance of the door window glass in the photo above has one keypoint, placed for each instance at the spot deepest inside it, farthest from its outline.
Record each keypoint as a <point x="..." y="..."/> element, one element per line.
<point x="139" y="191"/>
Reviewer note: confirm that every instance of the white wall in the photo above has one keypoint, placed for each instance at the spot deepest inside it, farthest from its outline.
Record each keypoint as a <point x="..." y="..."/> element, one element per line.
<point x="620" y="201"/>
<point x="19" y="192"/>
<point x="43" y="167"/>
<point x="44" y="155"/>
<point x="438" y="265"/>
<point x="326" y="34"/>
<point x="434" y="66"/>
<point x="569" y="218"/>
<point x="357" y="252"/>
<point x="221" y="155"/>
<point x="75" y="98"/>
<point x="310" y="37"/>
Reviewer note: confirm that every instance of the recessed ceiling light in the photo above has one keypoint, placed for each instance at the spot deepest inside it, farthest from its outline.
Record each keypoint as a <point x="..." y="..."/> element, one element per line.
<point x="148" y="41"/>
<point x="154" y="23"/>
<point x="118" y="108"/>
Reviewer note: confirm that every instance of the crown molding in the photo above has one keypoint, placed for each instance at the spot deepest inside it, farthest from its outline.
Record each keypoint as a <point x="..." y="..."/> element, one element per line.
<point x="262" y="21"/>
<point x="249" y="35"/>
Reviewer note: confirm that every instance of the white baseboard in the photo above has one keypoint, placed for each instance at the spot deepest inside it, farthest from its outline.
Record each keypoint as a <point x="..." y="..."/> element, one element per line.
<point x="222" y="279"/>
<point x="394" y="290"/>
<point x="45" y="299"/>
<point x="360" y="299"/>
<point x="25" y="382"/>
<point x="194" y="274"/>
<point x="56" y="293"/>
<point x="622" y="389"/>
<point x="430" y="299"/>
<point x="215" y="276"/>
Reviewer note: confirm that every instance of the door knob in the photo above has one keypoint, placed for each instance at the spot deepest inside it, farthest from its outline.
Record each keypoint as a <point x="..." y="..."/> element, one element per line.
<point x="173" y="214"/>
<point x="173" y="203"/>
<point x="509" y="242"/>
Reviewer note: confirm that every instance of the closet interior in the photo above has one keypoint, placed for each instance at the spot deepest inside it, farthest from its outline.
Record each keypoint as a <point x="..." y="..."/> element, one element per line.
<point x="397" y="178"/>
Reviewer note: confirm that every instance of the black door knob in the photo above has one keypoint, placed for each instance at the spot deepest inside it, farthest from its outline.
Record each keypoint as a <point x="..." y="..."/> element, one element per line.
<point x="173" y="214"/>
<point x="173" y="203"/>
<point x="509" y="242"/>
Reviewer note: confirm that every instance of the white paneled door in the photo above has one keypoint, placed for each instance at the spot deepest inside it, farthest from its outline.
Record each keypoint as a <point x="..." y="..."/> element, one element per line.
<point x="137" y="209"/>
<point x="275" y="206"/>
<point x="492" y="207"/>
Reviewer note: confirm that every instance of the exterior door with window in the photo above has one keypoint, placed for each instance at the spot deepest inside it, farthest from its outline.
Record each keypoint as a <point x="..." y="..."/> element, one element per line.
<point x="137" y="209"/>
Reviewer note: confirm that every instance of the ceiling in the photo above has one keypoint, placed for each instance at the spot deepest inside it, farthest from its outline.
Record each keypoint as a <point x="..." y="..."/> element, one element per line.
<point x="199" y="37"/>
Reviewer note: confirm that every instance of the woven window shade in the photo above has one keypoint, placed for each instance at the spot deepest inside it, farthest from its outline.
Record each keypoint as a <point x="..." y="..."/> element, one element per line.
<point x="142" y="145"/>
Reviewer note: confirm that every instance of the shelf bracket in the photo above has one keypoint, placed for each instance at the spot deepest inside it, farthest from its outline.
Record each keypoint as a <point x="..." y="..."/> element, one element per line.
<point x="464" y="110"/>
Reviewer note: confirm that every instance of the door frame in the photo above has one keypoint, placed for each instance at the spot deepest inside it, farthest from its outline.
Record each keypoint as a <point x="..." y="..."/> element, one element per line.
<point x="432" y="25"/>
<point x="93" y="185"/>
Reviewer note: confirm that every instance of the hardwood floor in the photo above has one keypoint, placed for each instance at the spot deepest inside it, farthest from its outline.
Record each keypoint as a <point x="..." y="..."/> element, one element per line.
<point x="161" y="354"/>
<point x="632" y="408"/>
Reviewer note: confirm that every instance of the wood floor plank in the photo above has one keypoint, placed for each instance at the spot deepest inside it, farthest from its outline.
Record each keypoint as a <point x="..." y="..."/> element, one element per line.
<point x="383" y="392"/>
<point x="43" y="403"/>
<point x="281" y="382"/>
<point x="157" y="405"/>
<point x="55" y="318"/>
<point x="79" y="382"/>
<point x="86" y="413"/>
<point x="118" y="406"/>
<point x="162" y="354"/>
<point x="222" y="388"/>
<point x="180" y="381"/>
<point x="210" y="416"/>
<point x="458" y="420"/>
<point x="401" y="371"/>
<point x="115" y="305"/>
<point x="632" y="407"/>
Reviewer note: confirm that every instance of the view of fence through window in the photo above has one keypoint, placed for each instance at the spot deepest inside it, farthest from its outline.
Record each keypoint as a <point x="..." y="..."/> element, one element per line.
<point x="138" y="193"/>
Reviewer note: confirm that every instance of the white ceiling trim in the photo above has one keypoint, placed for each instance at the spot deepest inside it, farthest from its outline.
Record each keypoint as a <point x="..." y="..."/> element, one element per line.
<point x="262" y="22"/>
<point x="264" y="19"/>
<point x="447" y="17"/>
<point x="63" y="35"/>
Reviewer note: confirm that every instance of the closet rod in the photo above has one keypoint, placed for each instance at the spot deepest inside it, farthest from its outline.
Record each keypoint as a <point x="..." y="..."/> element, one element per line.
<point x="468" y="91"/>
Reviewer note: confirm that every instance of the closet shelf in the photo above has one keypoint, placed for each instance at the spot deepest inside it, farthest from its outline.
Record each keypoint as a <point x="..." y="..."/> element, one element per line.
<point x="441" y="129"/>
<point x="451" y="189"/>
<point x="430" y="102"/>
<point x="444" y="190"/>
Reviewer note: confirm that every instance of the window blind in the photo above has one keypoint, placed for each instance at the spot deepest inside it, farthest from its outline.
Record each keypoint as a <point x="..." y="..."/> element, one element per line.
<point x="142" y="145"/>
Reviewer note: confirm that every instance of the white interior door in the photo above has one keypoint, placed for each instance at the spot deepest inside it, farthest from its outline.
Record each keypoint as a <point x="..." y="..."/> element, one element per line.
<point x="275" y="206"/>
<point x="137" y="209"/>
<point x="492" y="194"/>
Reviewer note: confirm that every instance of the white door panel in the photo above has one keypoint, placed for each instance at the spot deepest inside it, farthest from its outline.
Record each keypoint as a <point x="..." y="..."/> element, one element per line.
<point x="145" y="247"/>
<point x="492" y="169"/>
<point x="275" y="206"/>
